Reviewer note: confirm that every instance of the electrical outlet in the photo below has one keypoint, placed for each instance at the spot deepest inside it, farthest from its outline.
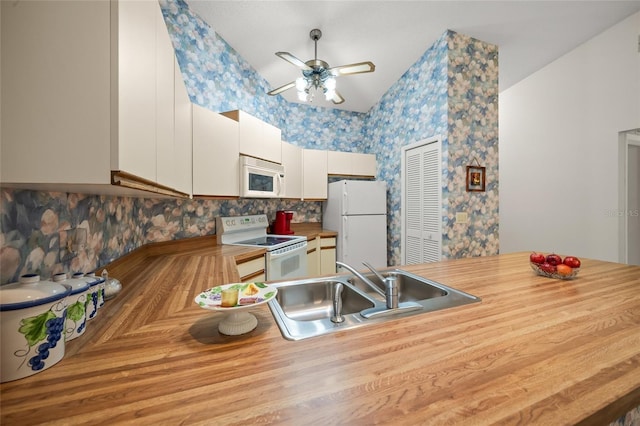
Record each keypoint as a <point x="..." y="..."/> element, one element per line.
<point x="76" y="239"/>
<point x="462" y="217"/>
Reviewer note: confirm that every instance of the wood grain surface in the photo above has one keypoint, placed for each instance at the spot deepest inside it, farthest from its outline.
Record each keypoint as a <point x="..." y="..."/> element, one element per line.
<point x="534" y="351"/>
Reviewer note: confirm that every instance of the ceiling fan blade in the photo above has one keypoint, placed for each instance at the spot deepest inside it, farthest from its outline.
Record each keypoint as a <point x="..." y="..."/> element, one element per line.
<point x="282" y="88"/>
<point x="293" y="60"/>
<point x="360" y="67"/>
<point x="337" y="98"/>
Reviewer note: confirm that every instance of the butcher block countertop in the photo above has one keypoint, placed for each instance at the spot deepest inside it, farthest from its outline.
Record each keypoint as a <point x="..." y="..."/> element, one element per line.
<point x="534" y="351"/>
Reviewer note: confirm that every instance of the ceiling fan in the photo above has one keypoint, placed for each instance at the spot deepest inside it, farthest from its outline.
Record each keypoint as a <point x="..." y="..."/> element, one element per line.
<point x="316" y="74"/>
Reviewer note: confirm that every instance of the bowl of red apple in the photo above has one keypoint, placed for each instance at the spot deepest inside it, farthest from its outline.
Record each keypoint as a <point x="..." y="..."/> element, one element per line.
<point x="554" y="265"/>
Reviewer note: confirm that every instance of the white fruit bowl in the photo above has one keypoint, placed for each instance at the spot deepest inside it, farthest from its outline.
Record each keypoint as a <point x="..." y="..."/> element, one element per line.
<point x="539" y="271"/>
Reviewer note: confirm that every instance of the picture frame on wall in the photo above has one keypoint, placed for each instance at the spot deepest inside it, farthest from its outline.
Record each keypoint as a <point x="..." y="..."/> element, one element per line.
<point x="475" y="179"/>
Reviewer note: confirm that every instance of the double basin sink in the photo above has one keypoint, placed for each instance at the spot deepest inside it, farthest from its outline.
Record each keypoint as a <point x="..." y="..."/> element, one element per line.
<point x="307" y="307"/>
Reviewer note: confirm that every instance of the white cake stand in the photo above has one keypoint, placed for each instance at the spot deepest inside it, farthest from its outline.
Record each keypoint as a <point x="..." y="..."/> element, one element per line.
<point x="237" y="323"/>
<point x="238" y="320"/>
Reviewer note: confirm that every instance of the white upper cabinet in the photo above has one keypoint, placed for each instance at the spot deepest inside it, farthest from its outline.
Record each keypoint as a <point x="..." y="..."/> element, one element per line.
<point x="351" y="164"/>
<point x="85" y="95"/>
<point x="257" y="138"/>
<point x="292" y="162"/>
<point x="182" y="169"/>
<point x="216" y="165"/>
<point x="56" y="125"/>
<point x="314" y="174"/>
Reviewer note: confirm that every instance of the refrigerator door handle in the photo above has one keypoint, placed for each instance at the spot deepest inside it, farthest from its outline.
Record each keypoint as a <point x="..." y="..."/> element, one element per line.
<point x="345" y="202"/>
<point x="345" y="234"/>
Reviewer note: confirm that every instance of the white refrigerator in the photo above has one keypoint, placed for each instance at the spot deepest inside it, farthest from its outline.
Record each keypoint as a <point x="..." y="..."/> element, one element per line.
<point x="357" y="211"/>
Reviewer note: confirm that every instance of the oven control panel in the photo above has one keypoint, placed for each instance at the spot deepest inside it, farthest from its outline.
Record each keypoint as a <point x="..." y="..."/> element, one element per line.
<point x="236" y="223"/>
<point x="236" y="228"/>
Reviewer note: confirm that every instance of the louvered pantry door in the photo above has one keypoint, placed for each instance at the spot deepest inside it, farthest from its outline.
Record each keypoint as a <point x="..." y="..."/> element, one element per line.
<point x="422" y="204"/>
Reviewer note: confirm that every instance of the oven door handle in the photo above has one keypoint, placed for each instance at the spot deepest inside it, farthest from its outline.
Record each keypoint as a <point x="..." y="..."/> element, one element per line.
<point x="286" y="251"/>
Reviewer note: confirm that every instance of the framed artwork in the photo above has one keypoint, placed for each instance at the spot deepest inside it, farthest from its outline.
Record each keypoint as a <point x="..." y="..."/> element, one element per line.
<point x="475" y="178"/>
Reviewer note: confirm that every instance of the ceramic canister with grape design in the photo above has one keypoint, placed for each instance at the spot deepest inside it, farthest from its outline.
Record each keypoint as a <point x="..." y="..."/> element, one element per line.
<point x="93" y="298"/>
<point x="76" y="320"/>
<point x="32" y="317"/>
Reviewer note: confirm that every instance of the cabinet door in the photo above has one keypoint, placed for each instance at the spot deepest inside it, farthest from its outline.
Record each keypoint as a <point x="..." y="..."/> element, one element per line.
<point x="314" y="172"/>
<point x="327" y="255"/>
<point x="338" y="163"/>
<point x="250" y="135"/>
<point x="55" y="117"/>
<point x="183" y="168"/>
<point x="313" y="257"/>
<point x="166" y="160"/>
<point x="136" y="144"/>
<point x="292" y="162"/>
<point x="271" y="143"/>
<point x="215" y="154"/>
<point x="363" y="164"/>
<point x="257" y="138"/>
<point x="351" y="164"/>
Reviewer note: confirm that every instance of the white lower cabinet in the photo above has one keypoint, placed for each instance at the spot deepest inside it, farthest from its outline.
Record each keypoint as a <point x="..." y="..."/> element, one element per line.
<point x="321" y="256"/>
<point x="252" y="269"/>
<point x="327" y="255"/>
<point x="313" y="257"/>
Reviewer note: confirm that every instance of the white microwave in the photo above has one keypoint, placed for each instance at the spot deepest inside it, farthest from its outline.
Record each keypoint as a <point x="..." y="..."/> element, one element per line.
<point x="260" y="178"/>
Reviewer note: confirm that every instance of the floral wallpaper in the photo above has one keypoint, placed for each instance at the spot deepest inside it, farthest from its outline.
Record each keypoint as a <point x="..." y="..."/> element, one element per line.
<point x="450" y="91"/>
<point x="38" y="227"/>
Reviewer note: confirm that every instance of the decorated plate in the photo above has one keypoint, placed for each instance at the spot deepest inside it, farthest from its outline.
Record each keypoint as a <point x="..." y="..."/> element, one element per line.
<point x="231" y="297"/>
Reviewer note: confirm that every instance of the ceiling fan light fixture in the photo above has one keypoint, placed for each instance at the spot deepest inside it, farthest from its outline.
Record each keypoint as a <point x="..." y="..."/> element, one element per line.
<point x="317" y="75"/>
<point x="301" y="84"/>
<point x="330" y="84"/>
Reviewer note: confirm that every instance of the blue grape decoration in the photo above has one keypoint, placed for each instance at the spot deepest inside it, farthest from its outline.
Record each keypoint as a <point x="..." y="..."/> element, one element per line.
<point x="45" y="327"/>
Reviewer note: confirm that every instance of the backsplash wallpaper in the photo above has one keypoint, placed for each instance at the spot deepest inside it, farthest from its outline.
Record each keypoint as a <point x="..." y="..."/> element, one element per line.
<point x="450" y="91"/>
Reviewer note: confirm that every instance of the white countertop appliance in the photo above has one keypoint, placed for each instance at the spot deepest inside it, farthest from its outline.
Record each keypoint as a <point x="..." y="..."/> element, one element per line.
<point x="286" y="256"/>
<point x="357" y="211"/>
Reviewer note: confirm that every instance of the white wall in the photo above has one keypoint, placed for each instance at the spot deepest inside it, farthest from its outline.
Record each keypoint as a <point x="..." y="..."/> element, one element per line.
<point x="559" y="147"/>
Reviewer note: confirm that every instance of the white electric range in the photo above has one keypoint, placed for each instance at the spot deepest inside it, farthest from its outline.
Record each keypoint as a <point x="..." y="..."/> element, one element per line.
<point x="286" y="254"/>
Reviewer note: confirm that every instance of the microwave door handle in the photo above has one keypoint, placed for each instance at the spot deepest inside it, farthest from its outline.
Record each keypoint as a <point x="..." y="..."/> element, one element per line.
<point x="279" y="180"/>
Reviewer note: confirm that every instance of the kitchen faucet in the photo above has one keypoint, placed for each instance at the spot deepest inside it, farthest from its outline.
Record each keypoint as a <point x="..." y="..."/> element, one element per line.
<point x="390" y="292"/>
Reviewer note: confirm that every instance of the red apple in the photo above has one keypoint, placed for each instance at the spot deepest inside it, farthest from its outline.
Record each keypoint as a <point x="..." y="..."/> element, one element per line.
<point x="554" y="259"/>
<point x="537" y="258"/>
<point x="572" y="261"/>
<point x="548" y="268"/>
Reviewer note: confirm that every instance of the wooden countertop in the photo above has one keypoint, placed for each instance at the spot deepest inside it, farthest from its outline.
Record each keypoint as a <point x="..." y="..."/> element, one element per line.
<point x="534" y="351"/>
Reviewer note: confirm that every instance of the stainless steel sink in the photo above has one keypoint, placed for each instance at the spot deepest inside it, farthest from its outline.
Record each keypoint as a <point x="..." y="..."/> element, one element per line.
<point x="313" y="300"/>
<point x="304" y="308"/>
<point x="410" y="287"/>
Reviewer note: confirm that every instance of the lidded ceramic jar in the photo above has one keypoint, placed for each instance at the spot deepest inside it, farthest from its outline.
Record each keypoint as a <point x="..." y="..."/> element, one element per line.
<point x="32" y="317"/>
<point x="112" y="286"/>
<point x="101" y="286"/>
<point x="76" y="321"/>
<point x="92" y="298"/>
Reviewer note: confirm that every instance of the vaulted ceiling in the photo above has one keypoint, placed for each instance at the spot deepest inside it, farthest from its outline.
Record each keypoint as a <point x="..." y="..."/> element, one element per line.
<point x="394" y="34"/>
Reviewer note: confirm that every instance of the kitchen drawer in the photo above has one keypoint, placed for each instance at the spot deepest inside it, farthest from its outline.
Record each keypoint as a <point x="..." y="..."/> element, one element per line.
<point x="327" y="242"/>
<point x="252" y="269"/>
